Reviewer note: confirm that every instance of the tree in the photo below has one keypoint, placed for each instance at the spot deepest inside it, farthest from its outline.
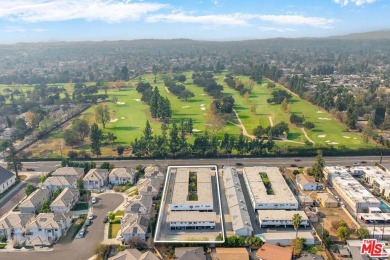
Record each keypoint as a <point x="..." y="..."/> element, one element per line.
<point x="13" y="161"/>
<point x="296" y="221"/>
<point x="352" y="115"/>
<point x="45" y="207"/>
<point x="21" y="128"/>
<point x="29" y="189"/>
<point x="318" y="167"/>
<point x="298" y="244"/>
<point x="100" y="251"/>
<point x="120" y="150"/>
<point x="106" y="165"/>
<point x="81" y="128"/>
<point x="96" y="139"/>
<point x="154" y="102"/>
<point x="190" y="126"/>
<point x="155" y="71"/>
<point x="148" y="131"/>
<point x="362" y="233"/>
<point x="343" y="232"/>
<point x="235" y="241"/>
<point x="284" y="105"/>
<point x="309" y="125"/>
<point x="110" y="137"/>
<point x="379" y="115"/>
<point x="102" y="115"/>
<point x="124" y="75"/>
<point x="56" y="193"/>
<point x="70" y="137"/>
<point x="254" y="242"/>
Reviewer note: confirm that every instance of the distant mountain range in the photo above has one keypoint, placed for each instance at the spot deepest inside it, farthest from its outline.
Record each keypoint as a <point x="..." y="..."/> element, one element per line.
<point x="375" y="35"/>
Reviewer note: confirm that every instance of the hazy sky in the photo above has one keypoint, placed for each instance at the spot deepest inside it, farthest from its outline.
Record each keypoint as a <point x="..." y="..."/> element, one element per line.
<point x="48" y="20"/>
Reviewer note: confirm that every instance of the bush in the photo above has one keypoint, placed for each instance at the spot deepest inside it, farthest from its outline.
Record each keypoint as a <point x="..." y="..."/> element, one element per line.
<point x="101" y="251"/>
<point x="296" y="172"/>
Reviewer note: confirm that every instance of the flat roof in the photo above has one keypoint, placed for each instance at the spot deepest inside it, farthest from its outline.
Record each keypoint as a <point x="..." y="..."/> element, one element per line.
<point x="280" y="214"/>
<point x="180" y="188"/>
<point x="192" y="216"/>
<point x="349" y="186"/>
<point x="287" y="235"/>
<point x="282" y="193"/>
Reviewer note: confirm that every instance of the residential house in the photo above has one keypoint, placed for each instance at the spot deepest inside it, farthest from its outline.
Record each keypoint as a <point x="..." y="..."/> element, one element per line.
<point x="306" y="200"/>
<point x="7" y="179"/>
<point x="149" y="187"/>
<point x="134" y="225"/>
<point x="271" y="252"/>
<point x="60" y="182"/>
<point x="280" y="217"/>
<point x="190" y="253"/>
<point x="306" y="182"/>
<point x="121" y="176"/>
<point x="140" y="204"/>
<point x="154" y="171"/>
<point x="50" y="226"/>
<point x="69" y="171"/>
<point x="33" y="203"/>
<point x="134" y="254"/>
<point x="327" y="200"/>
<point x="96" y="179"/>
<point x="65" y="201"/>
<point x="14" y="225"/>
<point x="223" y="253"/>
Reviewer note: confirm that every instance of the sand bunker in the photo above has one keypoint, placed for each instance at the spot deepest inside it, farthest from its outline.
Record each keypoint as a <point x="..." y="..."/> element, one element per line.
<point x="319" y="112"/>
<point x="321" y="136"/>
<point x="185" y="107"/>
<point x="323" y="118"/>
<point x="327" y="141"/>
<point x="137" y="99"/>
<point x="203" y="94"/>
<point x="333" y="143"/>
<point x="196" y="130"/>
<point x="346" y="136"/>
<point x="202" y="105"/>
<point x="121" y="102"/>
<point x="122" y="117"/>
<point x="202" y="108"/>
<point x="113" y="120"/>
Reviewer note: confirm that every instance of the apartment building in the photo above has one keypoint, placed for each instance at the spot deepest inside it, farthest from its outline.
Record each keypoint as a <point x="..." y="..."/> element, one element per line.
<point x="277" y="218"/>
<point x="191" y="220"/>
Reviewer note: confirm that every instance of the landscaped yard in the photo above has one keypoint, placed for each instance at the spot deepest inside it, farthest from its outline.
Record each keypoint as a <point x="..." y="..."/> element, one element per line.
<point x="2" y="246"/>
<point x="80" y="206"/>
<point x="73" y="230"/>
<point x="113" y="230"/>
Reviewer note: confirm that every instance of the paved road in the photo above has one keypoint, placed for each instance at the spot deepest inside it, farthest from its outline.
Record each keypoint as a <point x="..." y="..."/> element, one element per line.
<point x="78" y="249"/>
<point x="16" y="195"/>
<point x="278" y="161"/>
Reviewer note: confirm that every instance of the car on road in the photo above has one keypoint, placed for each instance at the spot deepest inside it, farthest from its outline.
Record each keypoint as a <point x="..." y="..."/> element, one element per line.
<point x="88" y="222"/>
<point x="297" y="160"/>
<point x="337" y="197"/>
<point x="94" y="200"/>
<point x="30" y="169"/>
<point x="356" y="164"/>
<point x="239" y="164"/>
<point x="105" y="220"/>
<point x="82" y="232"/>
<point x="293" y="165"/>
<point x="363" y="162"/>
<point x="90" y="216"/>
<point x="342" y="204"/>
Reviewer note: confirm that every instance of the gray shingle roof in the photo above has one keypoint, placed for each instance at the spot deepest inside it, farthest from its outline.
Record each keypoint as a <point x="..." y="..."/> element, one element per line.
<point x="5" y="175"/>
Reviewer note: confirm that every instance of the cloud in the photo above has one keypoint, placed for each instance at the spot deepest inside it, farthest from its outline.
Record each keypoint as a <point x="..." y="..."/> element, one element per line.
<point x="275" y="29"/>
<point x="356" y="2"/>
<point x="240" y="19"/>
<point x="14" y="29"/>
<point x="234" y="19"/>
<point x="110" y="11"/>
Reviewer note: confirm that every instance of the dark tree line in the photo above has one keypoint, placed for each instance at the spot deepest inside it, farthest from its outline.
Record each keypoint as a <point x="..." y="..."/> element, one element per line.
<point x="176" y="87"/>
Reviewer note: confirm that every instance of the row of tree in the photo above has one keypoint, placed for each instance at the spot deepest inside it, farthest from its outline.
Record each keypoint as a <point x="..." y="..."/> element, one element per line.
<point x="176" y="87"/>
<point x="235" y="83"/>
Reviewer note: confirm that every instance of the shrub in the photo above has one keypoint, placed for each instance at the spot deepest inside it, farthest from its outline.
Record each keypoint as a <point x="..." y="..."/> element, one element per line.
<point x="296" y="172"/>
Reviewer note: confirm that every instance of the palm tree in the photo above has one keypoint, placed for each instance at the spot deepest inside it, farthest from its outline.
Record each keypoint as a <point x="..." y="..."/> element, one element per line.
<point x="296" y="221"/>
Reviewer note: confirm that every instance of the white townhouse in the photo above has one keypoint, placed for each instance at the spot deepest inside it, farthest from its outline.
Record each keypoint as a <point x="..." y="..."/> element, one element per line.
<point x="191" y="220"/>
<point x="13" y="225"/>
<point x="96" y="179"/>
<point x="134" y="225"/>
<point x="60" y="182"/>
<point x="7" y="179"/>
<point x="121" y="176"/>
<point x="69" y="171"/>
<point x="149" y="187"/>
<point x="65" y="201"/>
<point x="33" y="203"/>
<point x="140" y="204"/>
<point x="49" y="226"/>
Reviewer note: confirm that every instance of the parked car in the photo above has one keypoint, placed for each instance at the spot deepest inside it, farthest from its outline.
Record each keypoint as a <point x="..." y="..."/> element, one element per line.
<point x="297" y="160"/>
<point x="293" y="165"/>
<point x="88" y="222"/>
<point x="363" y="162"/>
<point x="82" y="232"/>
<point x="90" y="216"/>
<point x="105" y="220"/>
<point x="94" y="200"/>
<point x="356" y="164"/>
<point x="119" y="238"/>
<point x="239" y="164"/>
<point x="30" y="169"/>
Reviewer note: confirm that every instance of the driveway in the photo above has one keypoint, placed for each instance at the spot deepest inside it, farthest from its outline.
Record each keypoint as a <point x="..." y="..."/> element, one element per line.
<point x="78" y="249"/>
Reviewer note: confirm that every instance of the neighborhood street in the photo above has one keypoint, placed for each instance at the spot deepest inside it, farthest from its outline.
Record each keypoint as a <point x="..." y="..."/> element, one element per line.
<point x="78" y="249"/>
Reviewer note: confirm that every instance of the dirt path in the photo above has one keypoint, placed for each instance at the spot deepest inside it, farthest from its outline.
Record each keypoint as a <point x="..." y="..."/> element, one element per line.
<point x="270" y="121"/>
<point x="307" y="137"/>
<point x="168" y="90"/>
<point x="241" y="125"/>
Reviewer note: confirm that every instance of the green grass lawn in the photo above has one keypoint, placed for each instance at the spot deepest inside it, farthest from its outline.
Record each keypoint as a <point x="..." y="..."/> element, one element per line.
<point x="113" y="230"/>
<point x="119" y="213"/>
<point x="2" y="246"/>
